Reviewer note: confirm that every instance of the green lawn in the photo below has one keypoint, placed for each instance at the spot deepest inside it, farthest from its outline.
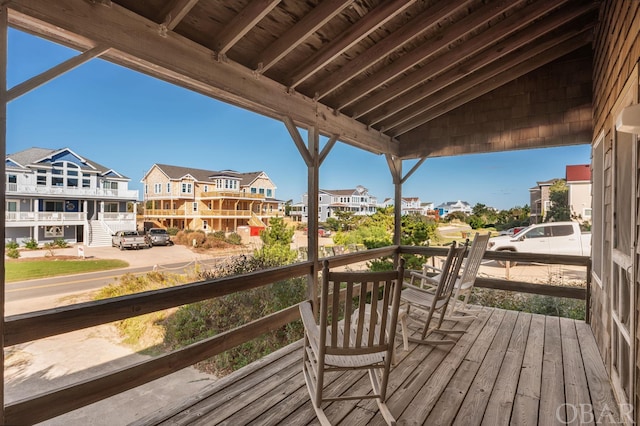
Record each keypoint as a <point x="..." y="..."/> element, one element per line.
<point x="32" y="269"/>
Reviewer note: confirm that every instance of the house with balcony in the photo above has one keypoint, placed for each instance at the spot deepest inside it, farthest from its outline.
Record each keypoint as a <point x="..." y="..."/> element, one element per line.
<point x="453" y="206"/>
<point x="57" y="194"/>
<point x="539" y="200"/>
<point x="208" y="200"/>
<point x="357" y="201"/>
<point x="410" y="205"/>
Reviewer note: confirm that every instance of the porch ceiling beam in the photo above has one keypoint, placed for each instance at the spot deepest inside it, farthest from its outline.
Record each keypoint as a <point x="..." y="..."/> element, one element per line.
<point x="242" y="23"/>
<point x="43" y="78"/>
<point x="485" y="80"/>
<point x="297" y="34"/>
<point x="82" y="25"/>
<point x="368" y="24"/>
<point x="420" y="24"/>
<point x="416" y="140"/>
<point x="423" y="52"/>
<point x="501" y="30"/>
<point x="176" y="11"/>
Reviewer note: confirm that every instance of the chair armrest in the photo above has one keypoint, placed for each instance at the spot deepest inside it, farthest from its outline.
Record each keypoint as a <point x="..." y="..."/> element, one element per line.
<point x="310" y="326"/>
<point x="433" y="268"/>
<point x="424" y="279"/>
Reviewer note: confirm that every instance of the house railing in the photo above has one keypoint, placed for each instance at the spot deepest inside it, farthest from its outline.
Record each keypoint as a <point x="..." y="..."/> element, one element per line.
<point x="49" y="217"/>
<point x="14" y="189"/>
<point x="231" y="194"/>
<point x="117" y="216"/>
<point x="37" y="325"/>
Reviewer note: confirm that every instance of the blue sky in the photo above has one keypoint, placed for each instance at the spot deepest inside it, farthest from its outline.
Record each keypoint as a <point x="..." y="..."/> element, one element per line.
<point x="129" y="121"/>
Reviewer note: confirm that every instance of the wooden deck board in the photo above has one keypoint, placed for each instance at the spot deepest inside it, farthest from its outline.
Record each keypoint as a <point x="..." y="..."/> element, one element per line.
<point x="552" y="409"/>
<point x="500" y="404"/>
<point x="492" y="375"/>
<point x="527" y="400"/>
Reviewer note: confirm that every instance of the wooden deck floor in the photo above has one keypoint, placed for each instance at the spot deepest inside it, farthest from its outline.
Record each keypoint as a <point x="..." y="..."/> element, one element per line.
<point x="508" y="368"/>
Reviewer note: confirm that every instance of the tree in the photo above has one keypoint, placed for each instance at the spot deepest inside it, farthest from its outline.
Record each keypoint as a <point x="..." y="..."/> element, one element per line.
<point x="559" y="198"/>
<point x="276" y="244"/>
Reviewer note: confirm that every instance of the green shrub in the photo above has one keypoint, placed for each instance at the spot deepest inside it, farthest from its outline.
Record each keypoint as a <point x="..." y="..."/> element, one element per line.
<point x="234" y="239"/>
<point x="218" y="235"/>
<point x="61" y="243"/>
<point x="31" y="244"/>
<point x="11" y="250"/>
<point x="172" y="231"/>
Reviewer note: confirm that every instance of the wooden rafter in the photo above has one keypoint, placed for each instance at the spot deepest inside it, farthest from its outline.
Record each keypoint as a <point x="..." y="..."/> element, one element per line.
<point x="242" y="24"/>
<point x="353" y="35"/>
<point x="176" y="11"/>
<point x="299" y="32"/>
<point x="417" y="26"/>
<point x="481" y="82"/>
<point x="508" y="26"/>
<point x="421" y="53"/>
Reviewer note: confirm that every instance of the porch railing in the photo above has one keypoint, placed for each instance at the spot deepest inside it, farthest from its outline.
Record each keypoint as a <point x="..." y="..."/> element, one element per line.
<point x="37" y="325"/>
<point x="49" y="217"/>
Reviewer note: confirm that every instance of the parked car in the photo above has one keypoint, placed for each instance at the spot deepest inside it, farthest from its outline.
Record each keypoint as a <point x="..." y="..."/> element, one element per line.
<point x="129" y="239"/>
<point x="551" y="238"/>
<point x="512" y="231"/>
<point x="324" y="232"/>
<point x="159" y="237"/>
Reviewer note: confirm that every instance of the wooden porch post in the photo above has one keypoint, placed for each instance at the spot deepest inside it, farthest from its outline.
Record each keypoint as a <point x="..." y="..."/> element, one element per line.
<point x="3" y="144"/>
<point x="395" y="166"/>
<point x="313" y="158"/>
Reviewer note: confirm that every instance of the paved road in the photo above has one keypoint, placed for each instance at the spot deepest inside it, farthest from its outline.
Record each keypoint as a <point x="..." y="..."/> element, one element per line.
<point x="32" y="295"/>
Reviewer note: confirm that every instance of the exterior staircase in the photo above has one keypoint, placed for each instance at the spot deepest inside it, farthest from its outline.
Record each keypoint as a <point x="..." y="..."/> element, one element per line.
<point x="99" y="235"/>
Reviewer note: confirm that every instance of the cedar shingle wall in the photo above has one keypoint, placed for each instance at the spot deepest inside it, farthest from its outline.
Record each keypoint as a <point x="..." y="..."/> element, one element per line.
<point x="551" y="105"/>
<point x="617" y="50"/>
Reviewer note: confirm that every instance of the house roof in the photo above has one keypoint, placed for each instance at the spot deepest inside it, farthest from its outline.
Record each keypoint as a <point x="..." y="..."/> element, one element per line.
<point x="33" y="156"/>
<point x="201" y="175"/>
<point x="375" y="74"/>
<point x="578" y="172"/>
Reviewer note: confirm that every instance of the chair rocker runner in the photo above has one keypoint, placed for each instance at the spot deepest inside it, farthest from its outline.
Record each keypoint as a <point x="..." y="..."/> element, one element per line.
<point x="356" y="331"/>
<point x="430" y="302"/>
<point x="459" y="310"/>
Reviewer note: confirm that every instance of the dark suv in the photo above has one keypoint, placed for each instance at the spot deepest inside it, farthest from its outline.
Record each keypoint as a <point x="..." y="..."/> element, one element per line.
<point x="159" y="237"/>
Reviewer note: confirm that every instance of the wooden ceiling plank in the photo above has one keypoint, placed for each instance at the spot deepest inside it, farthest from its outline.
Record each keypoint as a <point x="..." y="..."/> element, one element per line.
<point x="468" y="81"/>
<point x="421" y="23"/>
<point x="365" y="26"/>
<point x="242" y="23"/>
<point x="501" y="30"/>
<point x="406" y="62"/>
<point x="296" y="35"/>
<point x="56" y="71"/>
<point x="176" y="11"/>
<point x="531" y="63"/>
<point x="137" y="44"/>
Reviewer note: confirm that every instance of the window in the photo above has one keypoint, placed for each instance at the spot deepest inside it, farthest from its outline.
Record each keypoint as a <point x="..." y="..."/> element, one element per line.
<point x="111" y="207"/>
<point x="86" y="183"/>
<point x="157" y="188"/>
<point x="41" y="177"/>
<point x="205" y="188"/>
<point x="195" y="207"/>
<point x="107" y="184"/>
<point x="253" y="191"/>
<point x="261" y="191"/>
<point x="57" y="181"/>
<point x="12" y="179"/>
<point x="72" y="182"/>
<point x="186" y="188"/>
<point x="146" y="188"/>
<point x="53" y="206"/>
<point x="168" y="187"/>
<point x="562" y="230"/>
<point x="586" y="213"/>
<point x="269" y="193"/>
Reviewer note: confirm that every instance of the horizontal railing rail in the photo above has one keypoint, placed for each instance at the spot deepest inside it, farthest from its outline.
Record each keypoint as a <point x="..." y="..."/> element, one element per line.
<point x="36" y="325"/>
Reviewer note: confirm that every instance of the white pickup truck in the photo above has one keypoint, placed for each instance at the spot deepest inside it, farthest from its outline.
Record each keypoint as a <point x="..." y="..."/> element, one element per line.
<point x="550" y="238"/>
